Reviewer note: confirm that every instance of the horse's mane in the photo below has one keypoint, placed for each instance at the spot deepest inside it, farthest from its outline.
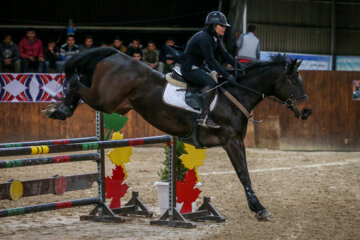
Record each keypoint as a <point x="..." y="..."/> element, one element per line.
<point x="82" y="65"/>
<point x="277" y="59"/>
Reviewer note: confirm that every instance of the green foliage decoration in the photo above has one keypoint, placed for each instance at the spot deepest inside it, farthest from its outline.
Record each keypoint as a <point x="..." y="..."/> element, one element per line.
<point x="180" y="168"/>
<point x="113" y="122"/>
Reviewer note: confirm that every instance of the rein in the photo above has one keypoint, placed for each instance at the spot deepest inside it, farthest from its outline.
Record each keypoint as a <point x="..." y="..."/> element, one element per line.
<point x="290" y="102"/>
<point x="236" y="102"/>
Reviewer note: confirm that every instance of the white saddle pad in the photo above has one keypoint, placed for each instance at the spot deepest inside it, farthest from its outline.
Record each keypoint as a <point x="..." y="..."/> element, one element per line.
<point x="175" y="98"/>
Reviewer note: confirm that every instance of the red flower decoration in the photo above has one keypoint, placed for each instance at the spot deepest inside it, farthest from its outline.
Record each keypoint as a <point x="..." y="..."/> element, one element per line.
<point x="114" y="188"/>
<point x="185" y="191"/>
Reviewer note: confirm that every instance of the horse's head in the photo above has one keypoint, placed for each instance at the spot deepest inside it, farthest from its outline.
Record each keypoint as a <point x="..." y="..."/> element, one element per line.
<point x="290" y="90"/>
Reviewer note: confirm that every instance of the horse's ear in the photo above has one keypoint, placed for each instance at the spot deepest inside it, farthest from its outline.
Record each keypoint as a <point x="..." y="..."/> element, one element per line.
<point x="291" y="66"/>
<point x="298" y="64"/>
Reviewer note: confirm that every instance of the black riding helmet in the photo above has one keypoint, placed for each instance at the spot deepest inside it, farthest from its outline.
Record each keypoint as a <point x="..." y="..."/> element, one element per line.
<point x="216" y="17"/>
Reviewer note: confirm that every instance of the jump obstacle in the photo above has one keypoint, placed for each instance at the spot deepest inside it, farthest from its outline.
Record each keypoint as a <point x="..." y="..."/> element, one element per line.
<point x="60" y="184"/>
<point x="172" y="217"/>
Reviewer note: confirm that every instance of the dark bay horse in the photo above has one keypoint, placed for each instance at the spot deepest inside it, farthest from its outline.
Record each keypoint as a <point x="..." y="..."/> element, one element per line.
<point x="110" y="81"/>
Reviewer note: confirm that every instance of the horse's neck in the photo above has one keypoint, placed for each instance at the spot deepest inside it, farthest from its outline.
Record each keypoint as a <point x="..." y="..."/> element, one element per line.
<point x="262" y="84"/>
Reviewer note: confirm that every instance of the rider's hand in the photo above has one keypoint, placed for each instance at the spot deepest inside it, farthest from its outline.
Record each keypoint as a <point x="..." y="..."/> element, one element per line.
<point x="241" y="69"/>
<point x="231" y="79"/>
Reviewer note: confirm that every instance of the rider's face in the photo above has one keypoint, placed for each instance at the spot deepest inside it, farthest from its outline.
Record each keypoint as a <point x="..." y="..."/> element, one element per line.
<point x="220" y="30"/>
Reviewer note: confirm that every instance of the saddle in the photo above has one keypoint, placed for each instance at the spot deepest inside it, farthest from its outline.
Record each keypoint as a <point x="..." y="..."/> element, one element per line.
<point x="193" y="96"/>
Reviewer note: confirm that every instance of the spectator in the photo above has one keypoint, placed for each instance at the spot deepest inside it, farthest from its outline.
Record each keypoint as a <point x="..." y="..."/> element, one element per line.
<point x="9" y="54"/>
<point x="248" y="45"/>
<point x="52" y="56"/>
<point x="151" y="55"/>
<point x="71" y="30"/>
<point x="88" y="43"/>
<point x="118" y="44"/>
<point x="134" y="47"/>
<point x="67" y="50"/>
<point x="166" y="58"/>
<point x="103" y="44"/>
<point x="31" y="51"/>
<point x="137" y="55"/>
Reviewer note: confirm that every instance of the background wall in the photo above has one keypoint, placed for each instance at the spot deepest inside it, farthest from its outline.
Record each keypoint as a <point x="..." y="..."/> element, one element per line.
<point x="300" y="26"/>
<point x="334" y="124"/>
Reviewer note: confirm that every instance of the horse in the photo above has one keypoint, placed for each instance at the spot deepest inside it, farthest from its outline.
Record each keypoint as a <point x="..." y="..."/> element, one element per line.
<point x="110" y="81"/>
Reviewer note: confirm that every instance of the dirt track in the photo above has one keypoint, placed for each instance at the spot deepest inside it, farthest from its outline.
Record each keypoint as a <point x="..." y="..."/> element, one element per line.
<point x="312" y="195"/>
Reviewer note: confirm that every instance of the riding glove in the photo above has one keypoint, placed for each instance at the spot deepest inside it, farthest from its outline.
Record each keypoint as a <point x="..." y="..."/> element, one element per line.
<point x="231" y="79"/>
<point x="240" y="68"/>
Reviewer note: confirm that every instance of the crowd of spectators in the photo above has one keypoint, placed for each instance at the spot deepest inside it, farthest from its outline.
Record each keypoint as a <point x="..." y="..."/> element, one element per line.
<point x="32" y="55"/>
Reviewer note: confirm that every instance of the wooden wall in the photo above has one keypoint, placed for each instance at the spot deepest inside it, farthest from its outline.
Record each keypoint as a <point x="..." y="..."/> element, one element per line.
<point x="25" y="122"/>
<point x="334" y="124"/>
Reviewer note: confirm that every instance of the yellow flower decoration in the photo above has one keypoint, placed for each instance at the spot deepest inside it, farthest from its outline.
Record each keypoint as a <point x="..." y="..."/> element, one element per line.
<point x="120" y="156"/>
<point x="193" y="158"/>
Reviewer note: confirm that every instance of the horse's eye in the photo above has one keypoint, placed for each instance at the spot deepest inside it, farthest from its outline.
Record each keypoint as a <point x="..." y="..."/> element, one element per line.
<point x="294" y="81"/>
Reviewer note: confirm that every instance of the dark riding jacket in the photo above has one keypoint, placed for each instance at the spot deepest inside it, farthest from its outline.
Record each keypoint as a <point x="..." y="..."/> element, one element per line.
<point x="205" y="45"/>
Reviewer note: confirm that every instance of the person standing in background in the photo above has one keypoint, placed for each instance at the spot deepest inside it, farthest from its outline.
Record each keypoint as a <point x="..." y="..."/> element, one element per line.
<point x="248" y="45"/>
<point x="9" y="54"/>
<point x="151" y="55"/>
<point x="51" y="55"/>
<point x="134" y="46"/>
<point x="166" y="58"/>
<point x="118" y="44"/>
<point x="88" y="43"/>
<point x="137" y="55"/>
<point x="67" y="50"/>
<point x="71" y="29"/>
<point x="31" y="51"/>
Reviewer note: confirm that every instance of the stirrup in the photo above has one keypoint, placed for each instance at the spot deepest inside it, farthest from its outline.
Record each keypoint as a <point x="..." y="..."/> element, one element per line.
<point x="205" y="123"/>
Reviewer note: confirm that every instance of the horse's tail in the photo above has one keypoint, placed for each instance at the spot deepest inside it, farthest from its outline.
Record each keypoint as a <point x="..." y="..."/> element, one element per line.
<point x="81" y="66"/>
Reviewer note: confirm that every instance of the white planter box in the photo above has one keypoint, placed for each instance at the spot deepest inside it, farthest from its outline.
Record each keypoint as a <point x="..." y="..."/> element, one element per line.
<point x="163" y="196"/>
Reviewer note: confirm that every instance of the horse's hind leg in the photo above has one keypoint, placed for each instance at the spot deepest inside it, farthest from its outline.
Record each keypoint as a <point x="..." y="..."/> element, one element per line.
<point x="236" y="151"/>
<point x="66" y="108"/>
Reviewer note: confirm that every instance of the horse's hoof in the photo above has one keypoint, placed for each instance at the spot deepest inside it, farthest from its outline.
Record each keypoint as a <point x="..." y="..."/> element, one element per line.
<point x="54" y="114"/>
<point x="263" y="215"/>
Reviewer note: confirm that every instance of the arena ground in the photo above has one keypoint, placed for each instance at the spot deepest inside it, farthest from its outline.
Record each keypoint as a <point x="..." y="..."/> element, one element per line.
<point x="312" y="195"/>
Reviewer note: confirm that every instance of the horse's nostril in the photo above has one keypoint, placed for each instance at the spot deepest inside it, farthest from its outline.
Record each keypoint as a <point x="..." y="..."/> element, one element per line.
<point x="307" y="112"/>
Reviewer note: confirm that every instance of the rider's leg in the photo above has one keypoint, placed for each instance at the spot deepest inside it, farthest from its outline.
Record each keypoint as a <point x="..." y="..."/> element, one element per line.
<point x="201" y="78"/>
<point x="205" y="119"/>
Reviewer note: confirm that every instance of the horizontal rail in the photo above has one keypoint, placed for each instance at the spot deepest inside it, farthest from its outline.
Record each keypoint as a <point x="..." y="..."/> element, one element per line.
<point x="83" y="146"/>
<point x="48" y="142"/>
<point x="43" y="186"/>
<point x="49" y="160"/>
<point x="48" y="207"/>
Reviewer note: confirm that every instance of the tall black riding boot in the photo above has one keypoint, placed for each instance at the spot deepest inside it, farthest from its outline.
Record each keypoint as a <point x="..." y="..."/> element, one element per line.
<point x="205" y="120"/>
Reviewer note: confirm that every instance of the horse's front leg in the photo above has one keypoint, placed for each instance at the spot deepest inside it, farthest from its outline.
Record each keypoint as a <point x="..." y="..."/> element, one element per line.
<point x="66" y="107"/>
<point x="236" y="152"/>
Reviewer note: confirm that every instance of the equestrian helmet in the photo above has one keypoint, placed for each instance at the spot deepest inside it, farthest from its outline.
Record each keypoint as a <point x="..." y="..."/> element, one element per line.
<point x="216" y="17"/>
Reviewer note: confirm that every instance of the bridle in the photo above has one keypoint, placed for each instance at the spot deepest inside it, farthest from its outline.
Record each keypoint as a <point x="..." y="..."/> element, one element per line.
<point x="290" y="102"/>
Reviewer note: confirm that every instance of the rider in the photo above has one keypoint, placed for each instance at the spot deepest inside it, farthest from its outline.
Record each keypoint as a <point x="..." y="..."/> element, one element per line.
<point x="203" y="45"/>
